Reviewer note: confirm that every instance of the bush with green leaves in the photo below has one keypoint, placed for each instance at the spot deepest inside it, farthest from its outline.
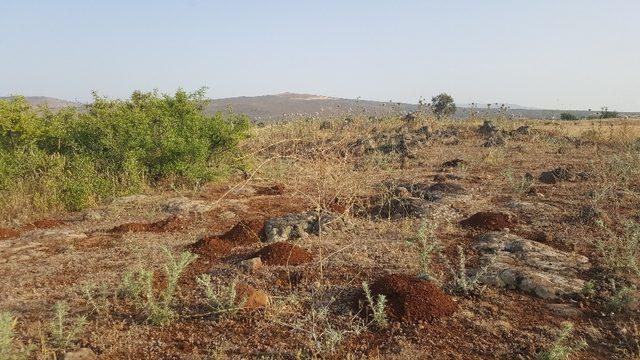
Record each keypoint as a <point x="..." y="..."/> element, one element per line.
<point x="221" y="299"/>
<point x="562" y="347"/>
<point x="64" y="331"/>
<point x="377" y="306"/>
<point x="72" y="158"/>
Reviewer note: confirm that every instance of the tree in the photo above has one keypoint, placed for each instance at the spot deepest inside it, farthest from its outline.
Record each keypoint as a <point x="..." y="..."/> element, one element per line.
<point x="443" y="105"/>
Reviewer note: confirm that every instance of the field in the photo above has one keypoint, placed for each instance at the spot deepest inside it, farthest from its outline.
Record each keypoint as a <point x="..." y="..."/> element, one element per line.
<point x="410" y="238"/>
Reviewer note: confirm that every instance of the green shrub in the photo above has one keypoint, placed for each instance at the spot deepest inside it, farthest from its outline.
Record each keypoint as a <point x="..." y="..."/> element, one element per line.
<point x="568" y="116"/>
<point x="10" y="347"/>
<point x="73" y="158"/>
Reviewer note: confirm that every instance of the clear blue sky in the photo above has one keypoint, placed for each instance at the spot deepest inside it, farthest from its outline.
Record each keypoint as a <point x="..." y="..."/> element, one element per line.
<point x="554" y="54"/>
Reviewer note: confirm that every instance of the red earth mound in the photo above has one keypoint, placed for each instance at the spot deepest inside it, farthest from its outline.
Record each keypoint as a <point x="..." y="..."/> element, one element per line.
<point x="488" y="220"/>
<point x="277" y="189"/>
<point x="44" y="224"/>
<point x="245" y="232"/>
<point x="211" y="247"/>
<point x="411" y="299"/>
<point x="283" y="253"/>
<point x="172" y="223"/>
<point x="8" y="233"/>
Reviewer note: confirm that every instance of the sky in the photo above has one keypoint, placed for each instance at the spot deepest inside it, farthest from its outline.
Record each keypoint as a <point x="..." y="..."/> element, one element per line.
<point x="571" y="54"/>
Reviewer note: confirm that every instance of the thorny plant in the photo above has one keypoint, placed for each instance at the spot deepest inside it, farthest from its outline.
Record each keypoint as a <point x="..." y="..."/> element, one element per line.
<point x="63" y="330"/>
<point x="10" y="347"/>
<point x="561" y="348"/>
<point x="461" y="282"/>
<point x="221" y="299"/>
<point x="428" y="246"/>
<point x="377" y="306"/>
<point x="138" y="286"/>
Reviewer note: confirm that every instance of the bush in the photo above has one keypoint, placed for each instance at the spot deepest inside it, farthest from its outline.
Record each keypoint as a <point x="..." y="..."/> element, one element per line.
<point x="568" y="116"/>
<point x="73" y="158"/>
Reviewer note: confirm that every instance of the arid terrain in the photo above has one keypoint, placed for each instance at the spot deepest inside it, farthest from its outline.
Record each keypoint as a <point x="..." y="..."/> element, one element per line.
<point x="473" y="240"/>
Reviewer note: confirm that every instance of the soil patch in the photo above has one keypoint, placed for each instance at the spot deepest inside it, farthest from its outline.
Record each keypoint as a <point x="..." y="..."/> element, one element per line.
<point x="277" y="189"/>
<point x="6" y="233"/>
<point x="245" y="232"/>
<point x="44" y="224"/>
<point x="283" y="253"/>
<point x="172" y="223"/>
<point x="488" y="220"/>
<point x="211" y="247"/>
<point x="411" y="299"/>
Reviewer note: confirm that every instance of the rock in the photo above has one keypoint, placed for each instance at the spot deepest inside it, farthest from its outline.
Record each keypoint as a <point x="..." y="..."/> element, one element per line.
<point x="93" y="215"/>
<point x="297" y="226"/>
<point x="529" y="266"/>
<point x="184" y="205"/>
<point x="130" y="199"/>
<point x="81" y="354"/>
<point x="251" y="298"/>
<point x="453" y="163"/>
<point x="534" y="210"/>
<point x="494" y="140"/>
<point x="442" y="188"/>
<point x="565" y="310"/>
<point x="488" y="128"/>
<point x="521" y="131"/>
<point x="410" y="117"/>
<point x="251" y="265"/>
<point x="398" y="208"/>
<point x="556" y="175"/>
<point x="589" y="214"/>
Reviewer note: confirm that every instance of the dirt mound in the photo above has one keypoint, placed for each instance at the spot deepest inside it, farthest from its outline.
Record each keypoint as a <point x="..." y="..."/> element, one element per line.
<point x="411" y="299"/>
<point x="250" y="297"/>
<point x="172" y="223"/>
<point x="488" y="220"/>
<point x="283" y="253"/>
<point x="6" y="233"/>
<point x="245" y="232"/>
<point x="44" y="224"/>
<point x="211" y="247"/>
<point x="277" y="189"/>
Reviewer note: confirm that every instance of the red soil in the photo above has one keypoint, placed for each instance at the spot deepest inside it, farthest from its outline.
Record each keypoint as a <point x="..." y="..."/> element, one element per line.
<point x="44" y="224"/>
<point x="172" y="223"/>
<point x="411" y="299"/>
<point x="211" y="247"/>
<point x="8" y="233"/>
<point x="245" y="232"/>
<point x="283" y="253"/>
<point x="488" y="220"/>
<point x="277" y="189"/>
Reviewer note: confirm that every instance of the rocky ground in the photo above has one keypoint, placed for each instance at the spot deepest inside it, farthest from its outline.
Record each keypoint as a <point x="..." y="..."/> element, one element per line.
<point x="485" y="239"/>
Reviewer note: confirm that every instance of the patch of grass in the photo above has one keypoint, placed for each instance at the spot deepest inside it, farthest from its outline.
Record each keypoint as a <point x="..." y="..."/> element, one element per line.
<point x="562" y="348"/>
<point x="377" y="307"/>
<point x="10" y="347"/>
<point x="222" y="299"/>
<point x="621" y="251"/>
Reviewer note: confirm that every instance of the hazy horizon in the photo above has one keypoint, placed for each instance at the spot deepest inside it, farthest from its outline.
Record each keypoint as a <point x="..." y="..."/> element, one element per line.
<point x="573" y="55"/>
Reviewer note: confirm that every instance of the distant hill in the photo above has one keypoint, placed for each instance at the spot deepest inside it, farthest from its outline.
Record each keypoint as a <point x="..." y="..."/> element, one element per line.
<point x="287" y="106"/>
<point x="291" y="105"/>
<point x="53" y="103"/>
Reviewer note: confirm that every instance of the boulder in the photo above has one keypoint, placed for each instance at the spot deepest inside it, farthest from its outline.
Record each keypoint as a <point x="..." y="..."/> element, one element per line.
<point x="488" y="128"/>
<point x="297" y="226"/>
<point x="538" y="269"/>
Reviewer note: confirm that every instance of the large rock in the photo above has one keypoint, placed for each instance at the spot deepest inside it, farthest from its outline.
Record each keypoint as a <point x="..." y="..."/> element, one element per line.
<point x="488" y="128"/>
<point x="529" y="266"/>
<point x="557" y="175"/>
<point x="184" y="205"/>
<point x="297" y="226"/>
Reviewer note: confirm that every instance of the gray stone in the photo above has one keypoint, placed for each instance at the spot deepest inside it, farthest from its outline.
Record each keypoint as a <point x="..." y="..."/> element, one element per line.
<point x="494" y="140"/>
<point x="297" y="226"/>
<point x="557" y="175"/>
<point x="488" y="128"/>
<point x="529" y="266"/>
<point x="184" y="205"/>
